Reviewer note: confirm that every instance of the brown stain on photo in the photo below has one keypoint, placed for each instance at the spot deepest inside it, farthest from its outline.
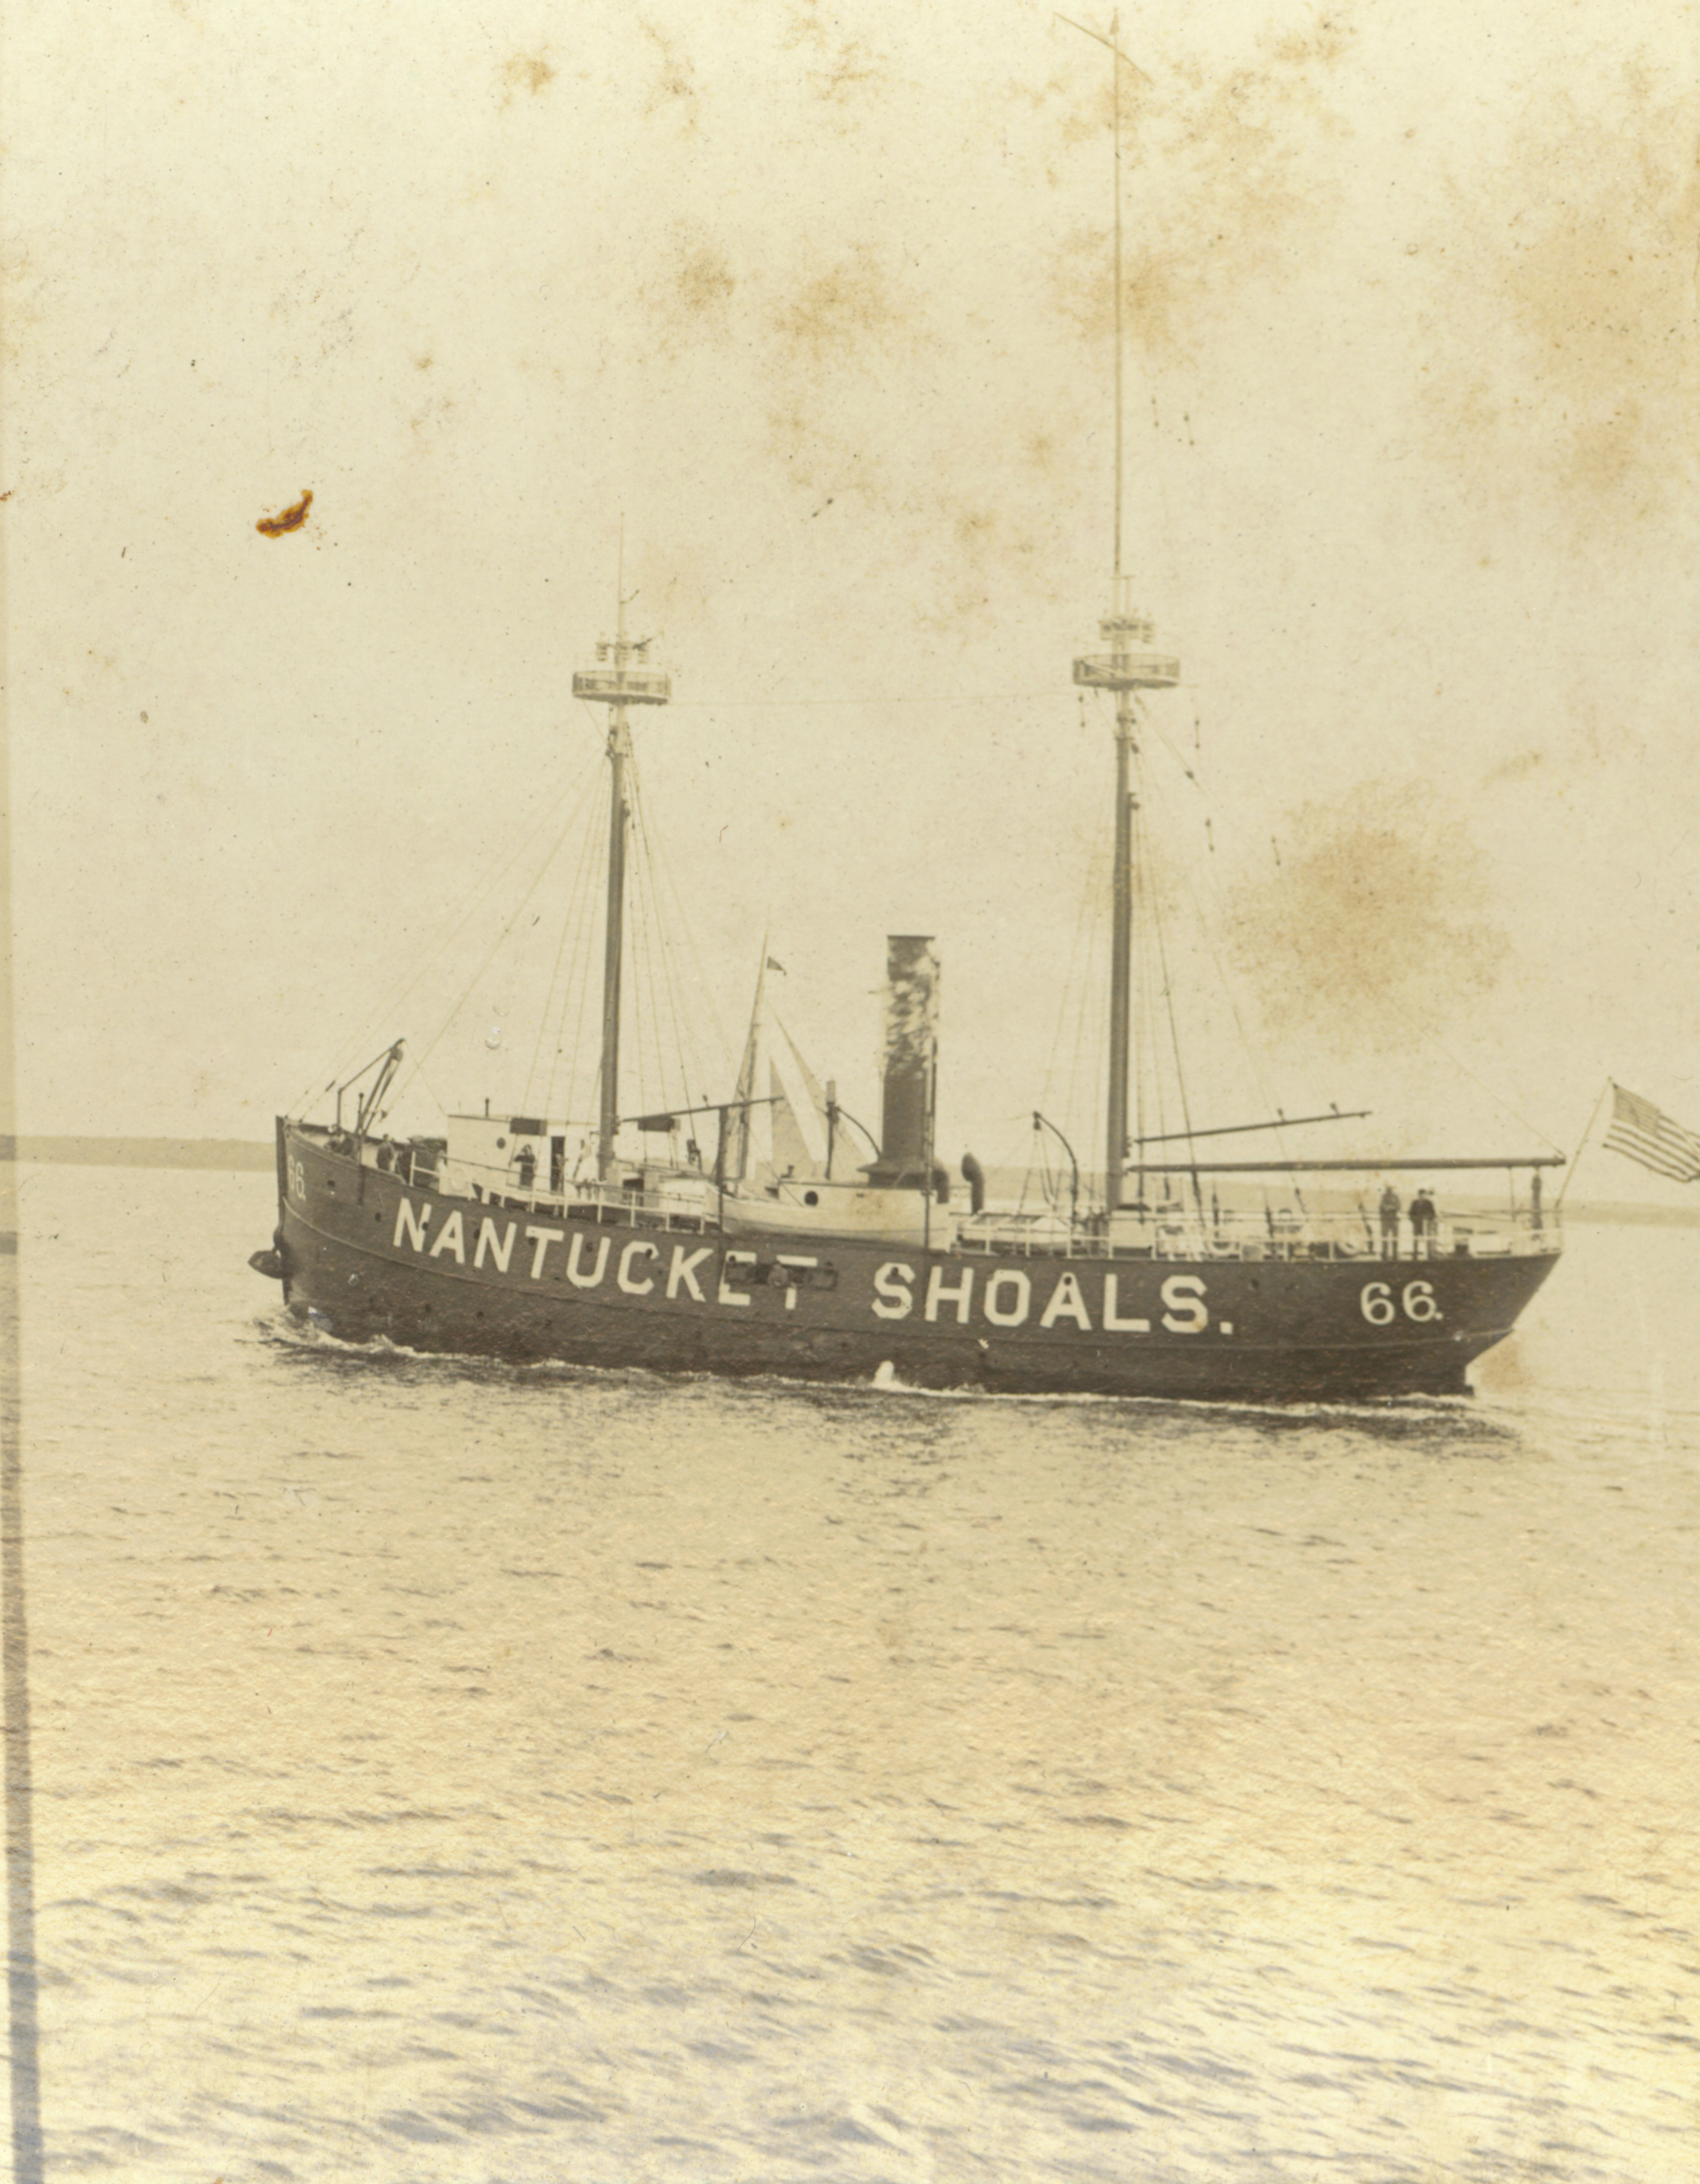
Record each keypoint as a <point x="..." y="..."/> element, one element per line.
<point x="1377" y="922"/>
<point x="674" y="88"/>
<point x="292" y="519"/>
<point x="1501" y="1371"/>
<point x="1519" y="767"/>
<point x="1225" y="178"/>
<point x="705" y="281"/>
<point x="830" y="314"/>
<point x="688" y="299"/>
<point x="841" y="336"/>
<point x="1562" y="347"/>
<point x="848" y="68"/>
<point x="528" y="72"/>
<point x="850" y="356"/>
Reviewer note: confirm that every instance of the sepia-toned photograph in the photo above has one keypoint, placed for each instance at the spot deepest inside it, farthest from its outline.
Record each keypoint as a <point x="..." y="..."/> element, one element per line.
<point x="851" y="1103"/>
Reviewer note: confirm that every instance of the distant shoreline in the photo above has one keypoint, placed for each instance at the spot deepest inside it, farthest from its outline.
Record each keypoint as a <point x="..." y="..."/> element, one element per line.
<point x="1629" y="1215"/>
<point x="141" y="1152"/>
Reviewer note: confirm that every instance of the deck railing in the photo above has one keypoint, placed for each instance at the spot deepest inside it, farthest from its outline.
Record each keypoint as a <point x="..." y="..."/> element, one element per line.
<point x="690" y="1204"/>
<point x="1523" y="1234"/>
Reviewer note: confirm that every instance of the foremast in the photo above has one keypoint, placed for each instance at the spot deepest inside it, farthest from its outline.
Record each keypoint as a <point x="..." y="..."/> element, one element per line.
<point x="622" y="678"/>
<point x="1126" y="668"/>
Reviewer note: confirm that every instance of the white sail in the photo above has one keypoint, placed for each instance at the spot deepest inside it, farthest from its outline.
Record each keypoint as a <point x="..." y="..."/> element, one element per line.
<point x="780" y="1128"/>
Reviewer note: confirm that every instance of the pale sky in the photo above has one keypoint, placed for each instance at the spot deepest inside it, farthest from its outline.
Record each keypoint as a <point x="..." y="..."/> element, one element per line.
<point x="818" y="300"/>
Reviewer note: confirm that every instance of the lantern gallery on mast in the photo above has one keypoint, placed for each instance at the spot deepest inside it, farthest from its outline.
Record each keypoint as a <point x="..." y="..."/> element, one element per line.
<point x="768" y="1241"/>
<point x="777" y="1234"/>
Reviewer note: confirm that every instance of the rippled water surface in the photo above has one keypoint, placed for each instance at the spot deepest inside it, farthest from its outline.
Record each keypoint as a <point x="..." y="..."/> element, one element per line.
<point x="454" y="1773"/>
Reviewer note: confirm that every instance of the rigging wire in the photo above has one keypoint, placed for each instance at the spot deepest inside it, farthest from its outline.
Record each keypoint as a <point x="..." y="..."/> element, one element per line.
<point x="1157" y="1064"/>
<point x="636" y="971"/>
<point x="1206" y="926"/>
<point x="441" y="1106"/>
<point x="571" y="929"/>
<point x="489" y="957"/>
<point x="1497" y="1099"/>
<point x="671" y="1038"/>
<point x="1168" y="745"/>
<point x="1158" y="924"/>
<point x="645" y="986"/>
<point x="1060" y="1085"/>
<point x="406" y="983"/>
<point x="684" y="1045"/>
<point x="1086" y="1056"/>
<point x="803" y="704"/>
<point x="590" y="922"/>
<point x="1083" y="919"/>
<point x="679" y="920"/>
<point x="593" y="926"/>
<point x="677" y="1035"/>
<point x="582" y="964"/>
<point x="1209" y="919"/>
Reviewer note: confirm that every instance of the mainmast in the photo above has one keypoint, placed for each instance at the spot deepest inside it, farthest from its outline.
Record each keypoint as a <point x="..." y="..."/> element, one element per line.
<point x="617" y="686"/>
<point x="1127" y="667"/>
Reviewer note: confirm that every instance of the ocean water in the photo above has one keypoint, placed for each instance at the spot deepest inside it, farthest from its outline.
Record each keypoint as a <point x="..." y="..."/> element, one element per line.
<point x="456" y="1774"/>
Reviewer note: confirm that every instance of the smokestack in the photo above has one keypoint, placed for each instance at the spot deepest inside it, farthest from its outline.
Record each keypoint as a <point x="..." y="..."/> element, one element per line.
<point x="912" y="1027"/>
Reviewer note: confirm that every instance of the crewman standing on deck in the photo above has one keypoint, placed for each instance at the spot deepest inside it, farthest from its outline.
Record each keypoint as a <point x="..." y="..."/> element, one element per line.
<point x="1390" y="1224"/>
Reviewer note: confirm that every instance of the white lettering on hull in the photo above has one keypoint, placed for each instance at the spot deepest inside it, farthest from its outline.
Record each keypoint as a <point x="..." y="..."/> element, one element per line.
<point x="1376" y="1303"/>
<point x="683" y="1270"/>
<point x="451" y="1237"/>
<point x="1005" y="1298"/>
<point x="1067" y="1303"/>
<point x="1013" y="1279"/>
<point x="1184" y="1294"/>
<point x="893" y="1297"/>
<point x="1113" y="1322"/>
<point x="501" y="1252"/>
<point x="960" y="1294"/>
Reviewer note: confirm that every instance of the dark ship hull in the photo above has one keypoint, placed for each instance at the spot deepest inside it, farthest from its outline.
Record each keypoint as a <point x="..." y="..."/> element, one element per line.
<point x="477" y="1242"/>
<point x="363" y="1256"/>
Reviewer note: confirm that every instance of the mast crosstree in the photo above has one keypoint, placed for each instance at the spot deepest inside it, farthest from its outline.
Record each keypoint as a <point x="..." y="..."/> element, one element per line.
<point x="622" y="678"/>
<point x="1128" y="666"/>
<point x="459" y="1243"/>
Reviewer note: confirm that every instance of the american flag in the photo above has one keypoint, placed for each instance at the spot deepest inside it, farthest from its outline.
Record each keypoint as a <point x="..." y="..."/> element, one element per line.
<point x="1639" y="1129"/>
